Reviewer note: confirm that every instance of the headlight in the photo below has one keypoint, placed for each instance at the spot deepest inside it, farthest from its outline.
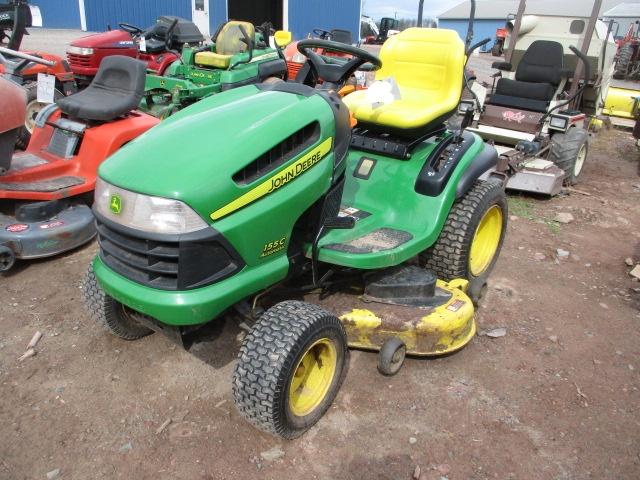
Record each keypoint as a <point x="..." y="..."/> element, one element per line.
<point x="558" y="122"/>
<point x="80" y="51"/>
<point x="144" y="212"/>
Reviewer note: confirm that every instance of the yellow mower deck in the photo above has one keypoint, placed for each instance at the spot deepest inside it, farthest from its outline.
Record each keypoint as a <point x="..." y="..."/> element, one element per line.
<point x="425" y="331"/>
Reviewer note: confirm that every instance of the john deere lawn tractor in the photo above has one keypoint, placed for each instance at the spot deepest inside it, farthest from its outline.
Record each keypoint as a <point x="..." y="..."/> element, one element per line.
<point x="241" y="55"/>
<point x="366" y="218"/>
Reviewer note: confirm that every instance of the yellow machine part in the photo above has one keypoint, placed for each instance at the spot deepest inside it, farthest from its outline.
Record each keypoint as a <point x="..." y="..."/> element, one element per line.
<point x="212" y="59"/>
<point x="621" y="102"/>
<point x="424" y="331"/>
<point x="427" y="65"/>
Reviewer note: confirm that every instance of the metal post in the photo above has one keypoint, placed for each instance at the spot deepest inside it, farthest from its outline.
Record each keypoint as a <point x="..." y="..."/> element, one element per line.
<point x="420" y="6"/>
<point x="516" y="31"/>
<point x="584" y="48"/>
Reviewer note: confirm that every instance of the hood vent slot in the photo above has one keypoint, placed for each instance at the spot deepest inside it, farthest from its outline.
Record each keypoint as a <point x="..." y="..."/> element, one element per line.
<point x="291" y="147"/>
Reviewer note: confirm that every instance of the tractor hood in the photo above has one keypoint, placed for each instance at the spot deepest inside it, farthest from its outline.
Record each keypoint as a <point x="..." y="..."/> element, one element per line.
<point x="110" y="39"/>
<point x="198" y="155"/>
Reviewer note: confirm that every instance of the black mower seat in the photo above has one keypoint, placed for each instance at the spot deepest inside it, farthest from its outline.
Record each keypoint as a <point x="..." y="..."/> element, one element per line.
<point x="537" y="77"/>
<point x="342" y="36"/>
<point x="116" y="90"/>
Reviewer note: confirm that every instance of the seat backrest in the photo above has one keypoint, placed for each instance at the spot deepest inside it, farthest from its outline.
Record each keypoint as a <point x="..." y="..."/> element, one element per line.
<point x="430" y="59"/>
<point x="542" y="62"/>
<point x="342" y="36"/>
<point x="119" y="73"/>
<point x="230" y="40"/>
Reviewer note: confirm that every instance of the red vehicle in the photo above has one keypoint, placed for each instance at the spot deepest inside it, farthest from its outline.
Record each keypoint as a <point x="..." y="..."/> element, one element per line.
<point x="295" y="60"/>
<point x="498" y="45"/>
<point x="46" y="191"/>
<point x="158" y="46"/>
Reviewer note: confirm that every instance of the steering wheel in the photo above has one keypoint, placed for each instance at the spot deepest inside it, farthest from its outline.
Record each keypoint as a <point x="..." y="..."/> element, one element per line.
<point x="132" y="29"/>
<point x="323" y="34"/>
<point x="336" y="73"/>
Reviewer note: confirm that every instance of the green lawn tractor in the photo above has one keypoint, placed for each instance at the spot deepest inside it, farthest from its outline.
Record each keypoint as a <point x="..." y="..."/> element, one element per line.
<point x="319" y="232"/>
<point x="240" y="56"/>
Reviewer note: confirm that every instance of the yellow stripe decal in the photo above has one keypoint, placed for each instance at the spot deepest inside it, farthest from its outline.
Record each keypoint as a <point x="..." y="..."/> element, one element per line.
<point x="276" y="181"/>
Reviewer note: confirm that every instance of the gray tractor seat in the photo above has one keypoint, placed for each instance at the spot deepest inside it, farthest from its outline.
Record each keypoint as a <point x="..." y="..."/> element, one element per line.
<point x="537" y="77"/>
<point x="116" y="90"/>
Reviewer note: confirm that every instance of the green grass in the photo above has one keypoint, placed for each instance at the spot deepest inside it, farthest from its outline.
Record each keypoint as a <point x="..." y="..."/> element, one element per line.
<point x="523" y="207"/>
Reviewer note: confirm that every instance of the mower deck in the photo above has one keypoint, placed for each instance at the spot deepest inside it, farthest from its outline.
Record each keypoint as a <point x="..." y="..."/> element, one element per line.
<point x="36" y="237"/>
<point x="425" y="330"/>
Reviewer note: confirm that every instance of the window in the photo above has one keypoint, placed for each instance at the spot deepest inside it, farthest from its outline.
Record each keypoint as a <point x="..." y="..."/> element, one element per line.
<point x="577" y="27"/>
<point x="280" y="154"/>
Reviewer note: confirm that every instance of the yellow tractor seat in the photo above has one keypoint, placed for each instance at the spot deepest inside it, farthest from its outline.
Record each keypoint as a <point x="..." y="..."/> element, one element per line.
<point x="230" y="39"/>
<point x="427" y="65"/>
<point x="229" y="42"/>
<point x="211" y="59"/>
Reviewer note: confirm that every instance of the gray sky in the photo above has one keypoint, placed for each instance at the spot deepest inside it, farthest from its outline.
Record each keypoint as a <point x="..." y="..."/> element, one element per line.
<point x="405" y="8"/>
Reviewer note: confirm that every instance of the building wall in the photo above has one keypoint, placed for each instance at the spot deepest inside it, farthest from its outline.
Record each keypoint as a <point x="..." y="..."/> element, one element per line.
<point x="305" y="15"/>
<point x="481" y="29"/>
<point x="59" y="13"/>
<point x="141" y="13"/>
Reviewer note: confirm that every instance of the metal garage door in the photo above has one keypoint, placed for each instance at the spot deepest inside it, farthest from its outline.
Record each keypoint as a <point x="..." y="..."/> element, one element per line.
<point x="142" y="13"/>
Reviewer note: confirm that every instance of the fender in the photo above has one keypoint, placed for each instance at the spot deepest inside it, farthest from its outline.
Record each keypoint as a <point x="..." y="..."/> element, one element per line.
<point x="488" y="158"/>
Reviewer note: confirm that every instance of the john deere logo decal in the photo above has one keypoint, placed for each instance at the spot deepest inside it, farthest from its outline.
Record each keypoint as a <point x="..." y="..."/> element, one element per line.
<point x="116" y="204"/>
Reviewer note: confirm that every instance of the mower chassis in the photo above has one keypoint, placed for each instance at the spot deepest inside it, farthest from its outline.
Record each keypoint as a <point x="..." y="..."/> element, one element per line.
<point x="526" y="173"/>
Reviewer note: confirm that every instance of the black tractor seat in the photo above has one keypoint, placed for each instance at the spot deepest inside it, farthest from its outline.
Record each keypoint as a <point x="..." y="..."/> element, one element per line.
<point x="537" y="78"/>
<point x="116" y="90"/>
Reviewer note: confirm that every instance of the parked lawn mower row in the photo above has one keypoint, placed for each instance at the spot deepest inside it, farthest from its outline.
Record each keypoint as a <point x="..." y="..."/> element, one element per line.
<point x="323" y="220"/>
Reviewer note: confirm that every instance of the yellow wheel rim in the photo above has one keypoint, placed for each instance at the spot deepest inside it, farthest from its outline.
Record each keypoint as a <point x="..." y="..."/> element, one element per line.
<point x="485" y="241"/>
<point x="312" y="377"/>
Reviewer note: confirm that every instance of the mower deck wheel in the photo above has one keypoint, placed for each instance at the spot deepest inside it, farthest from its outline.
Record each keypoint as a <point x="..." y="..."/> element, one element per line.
<point x="110" y="313"/>
<point x="391" y="356"/>
<point x="569" y="151"/>
<point x="290" y="368"/>
<point x="471" y="239"/>
<point x="7" y="258"/>
<point x="33" y="108"/>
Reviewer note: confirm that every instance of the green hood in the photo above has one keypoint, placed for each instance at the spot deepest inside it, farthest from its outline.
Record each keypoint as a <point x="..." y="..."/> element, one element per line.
<point x="193" y="155"/>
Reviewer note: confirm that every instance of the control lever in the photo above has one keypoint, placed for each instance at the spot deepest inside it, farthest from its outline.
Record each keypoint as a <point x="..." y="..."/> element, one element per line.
<point x="466" y="121"/>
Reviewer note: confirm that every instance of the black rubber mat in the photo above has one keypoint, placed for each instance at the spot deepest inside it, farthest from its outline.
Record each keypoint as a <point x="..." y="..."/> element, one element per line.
<point x="51" y="185"/>
<point x="22" y="161"/>
<point x="376" y="241"/>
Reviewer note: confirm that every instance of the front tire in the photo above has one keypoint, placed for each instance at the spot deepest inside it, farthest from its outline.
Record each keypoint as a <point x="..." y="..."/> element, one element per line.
<point x="290" y="368"/>
<point x="569" y="152"/>
<point x="472" y="236"/>
<point x="110" y="313"/>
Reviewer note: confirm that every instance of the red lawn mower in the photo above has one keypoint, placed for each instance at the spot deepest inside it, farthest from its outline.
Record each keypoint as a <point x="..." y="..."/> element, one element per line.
<point x="158" y="46"/>
<point x="46" y="191"/>
<point x="15" y="17"/>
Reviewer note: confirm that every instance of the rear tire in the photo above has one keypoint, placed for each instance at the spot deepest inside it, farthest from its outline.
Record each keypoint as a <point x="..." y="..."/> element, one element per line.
<point x="110" y="313"/>
<point x="622" y="64"/>
<point x="290" y="368"/>
<point x="33" y="108"/>
<point x="569" y="152"/>
<point x="464" y="250"/>
<point x="496" y="50"/>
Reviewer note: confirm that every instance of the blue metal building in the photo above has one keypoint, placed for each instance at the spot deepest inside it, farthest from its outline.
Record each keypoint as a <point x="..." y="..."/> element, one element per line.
<point x="298" y="16"/>
<point x="490" y="16"/>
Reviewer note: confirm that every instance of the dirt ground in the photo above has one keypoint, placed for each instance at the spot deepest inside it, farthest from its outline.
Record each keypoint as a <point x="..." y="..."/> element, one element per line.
<point x="555" y="398"/>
